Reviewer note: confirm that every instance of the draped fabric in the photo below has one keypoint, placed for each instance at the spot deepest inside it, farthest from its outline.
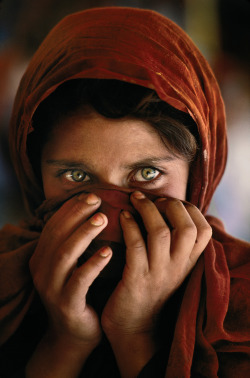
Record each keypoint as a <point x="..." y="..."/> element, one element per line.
<point x="211" y="334"/>
<point x="137" y="46"/>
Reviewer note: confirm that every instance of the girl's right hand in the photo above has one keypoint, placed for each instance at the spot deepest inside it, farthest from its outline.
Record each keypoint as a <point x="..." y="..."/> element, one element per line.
<point x="62" y="285"/>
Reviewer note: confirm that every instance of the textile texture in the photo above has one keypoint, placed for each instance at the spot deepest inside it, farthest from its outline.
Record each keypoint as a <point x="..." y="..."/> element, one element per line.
<point x="211" y="335"/>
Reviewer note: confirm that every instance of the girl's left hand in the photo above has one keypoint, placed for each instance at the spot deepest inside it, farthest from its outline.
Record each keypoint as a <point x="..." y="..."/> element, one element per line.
<point x="156" y="268"/>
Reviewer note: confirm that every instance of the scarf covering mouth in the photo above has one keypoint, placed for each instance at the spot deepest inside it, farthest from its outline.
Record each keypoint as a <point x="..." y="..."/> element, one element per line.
<point x="211" y="335"/>
<point x="113" y="203"/>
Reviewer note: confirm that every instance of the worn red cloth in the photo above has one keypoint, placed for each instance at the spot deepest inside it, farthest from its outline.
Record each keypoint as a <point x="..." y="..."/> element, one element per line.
<point x="113" y="202"/>
<point x="211" y="336"/>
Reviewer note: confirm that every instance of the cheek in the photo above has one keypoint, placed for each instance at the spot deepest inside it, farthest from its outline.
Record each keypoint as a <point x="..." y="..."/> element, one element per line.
<point x="175" y="192"/>
<point x="176" y="186"/>
<point x="51" y="188"/>
<point x="48" y="187"/>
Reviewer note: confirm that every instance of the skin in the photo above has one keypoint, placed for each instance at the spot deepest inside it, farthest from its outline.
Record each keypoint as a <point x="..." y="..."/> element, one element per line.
<point x="84" y="146"/>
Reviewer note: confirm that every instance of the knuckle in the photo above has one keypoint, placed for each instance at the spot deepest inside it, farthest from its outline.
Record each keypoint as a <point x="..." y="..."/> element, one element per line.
<point x="78" y="208"/>
<point x="189" y="205"/>
<point x="64" y="256"/>
<point x="80" y="280"/>
<point x="174" y="204"/>
<point x="137" y="244"/>
<point x="131" y="224"/>
<point x="162" y="233"/>
<point x="56" y="233"/>
<point x="97" y="264"/>
<point x="64" y="309"/>
<point x="66" y="312"/>
<point x="45" y="292"/>
<point x="51" y="229"/>
<point x="206" y="231"/>
<point x="174" y="201"/>
<point x="84" y="231"/>
<point x="189" y="230"/>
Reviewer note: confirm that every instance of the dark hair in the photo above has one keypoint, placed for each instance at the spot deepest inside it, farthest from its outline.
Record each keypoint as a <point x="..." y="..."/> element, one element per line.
<point x="113" y="99"/>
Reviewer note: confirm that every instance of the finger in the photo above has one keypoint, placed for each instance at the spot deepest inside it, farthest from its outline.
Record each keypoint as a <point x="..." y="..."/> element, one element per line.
<point x="159" y="237"/>
<point x="184" y="231"/>
<point x="136" y="253"/>
<point x="65" y="258"/>
<point x="204" y="232"/>
<point x="83" y="277"/>
<point x="71" y="214"/>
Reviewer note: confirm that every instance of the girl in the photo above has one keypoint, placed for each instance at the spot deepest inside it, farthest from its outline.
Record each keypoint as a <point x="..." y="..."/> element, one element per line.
<point x="118" y="139"/>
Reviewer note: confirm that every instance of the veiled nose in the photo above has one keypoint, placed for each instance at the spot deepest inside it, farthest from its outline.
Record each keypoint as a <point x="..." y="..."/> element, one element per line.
<point x="113" y="202"/>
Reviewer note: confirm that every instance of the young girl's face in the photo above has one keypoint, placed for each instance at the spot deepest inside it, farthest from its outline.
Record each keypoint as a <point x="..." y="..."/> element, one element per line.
<point x="87" y="148"/>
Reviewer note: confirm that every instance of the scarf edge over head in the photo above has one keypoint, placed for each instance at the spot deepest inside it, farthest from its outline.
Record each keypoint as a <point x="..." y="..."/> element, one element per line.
<point x="169" y="63"/>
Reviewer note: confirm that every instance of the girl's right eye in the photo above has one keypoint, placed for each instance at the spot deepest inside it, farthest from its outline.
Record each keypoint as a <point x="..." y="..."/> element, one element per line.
<point x="76" y="175"/>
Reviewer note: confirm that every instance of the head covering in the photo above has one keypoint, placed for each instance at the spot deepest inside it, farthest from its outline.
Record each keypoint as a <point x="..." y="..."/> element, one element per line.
<point x="145" y="48"/>
<point x="133" y="45"/>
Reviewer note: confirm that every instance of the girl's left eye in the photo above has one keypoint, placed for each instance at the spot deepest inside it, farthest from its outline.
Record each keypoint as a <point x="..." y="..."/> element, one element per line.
<point x="77" y="175"/>
<point x="146" y="174"/>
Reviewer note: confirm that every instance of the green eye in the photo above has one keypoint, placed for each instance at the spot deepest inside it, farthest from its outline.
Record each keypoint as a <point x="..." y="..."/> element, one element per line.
<point x="76" y="175"/>
<point x="147" y="174"/>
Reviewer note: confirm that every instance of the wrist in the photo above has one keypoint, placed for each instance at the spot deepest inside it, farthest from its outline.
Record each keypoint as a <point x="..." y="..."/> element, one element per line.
<point x="58" y="357"/>
<point x="66" y="342"/>
<point x="133" y="352"/>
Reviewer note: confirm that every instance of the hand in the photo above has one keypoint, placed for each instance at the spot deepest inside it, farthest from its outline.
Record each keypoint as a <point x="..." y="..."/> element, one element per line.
<point x="62" y="285"/>
<point x="154" y="269"/>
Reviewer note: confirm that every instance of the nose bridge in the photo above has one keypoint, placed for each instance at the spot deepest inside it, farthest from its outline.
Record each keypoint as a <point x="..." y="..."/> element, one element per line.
<point x="111" y="176"/>
<point x="109" y="186"/>
<point x="113" y="202"/>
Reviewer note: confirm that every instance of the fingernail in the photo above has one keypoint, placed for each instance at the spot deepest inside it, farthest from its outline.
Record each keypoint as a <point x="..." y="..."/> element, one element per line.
<point x="161" y="199"/>
<point x="138" y="195"/>
<point x="97" y="220"/>
<point x="105" y="252"/>
<point x="126" y="214"/>
<point x="92" y="199"/>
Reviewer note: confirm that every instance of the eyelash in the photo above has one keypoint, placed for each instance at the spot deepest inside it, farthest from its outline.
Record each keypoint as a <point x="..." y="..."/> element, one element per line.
<point x="62" y="173"/>
<point x="146" y="182"/>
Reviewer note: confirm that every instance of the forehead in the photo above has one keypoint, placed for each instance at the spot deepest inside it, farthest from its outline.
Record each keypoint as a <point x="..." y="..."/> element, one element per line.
<point x="86" y="132"/>
<point x="88" y="121"/>
<point x="97" y="144"/>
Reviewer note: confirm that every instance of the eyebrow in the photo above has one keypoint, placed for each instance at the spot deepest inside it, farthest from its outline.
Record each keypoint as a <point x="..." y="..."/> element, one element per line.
<point x="66" y="163"/>
<point x="149" y="161"/>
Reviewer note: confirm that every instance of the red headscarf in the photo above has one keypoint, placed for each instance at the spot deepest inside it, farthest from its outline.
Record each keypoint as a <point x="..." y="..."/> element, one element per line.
<point x="133" y="45"/>
<point x="145" y="48"/>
